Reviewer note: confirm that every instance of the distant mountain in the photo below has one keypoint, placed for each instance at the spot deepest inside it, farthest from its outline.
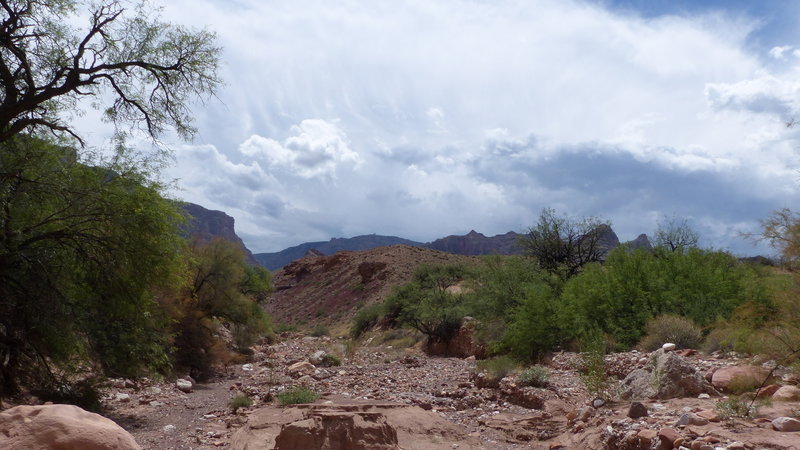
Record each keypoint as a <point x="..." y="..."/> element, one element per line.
<point x="641" y="241"/>
<point x="274" y="261"/>
<point x="471" y="244"/>
<point x="206" y="224"/>
<point x="474" y="243"/>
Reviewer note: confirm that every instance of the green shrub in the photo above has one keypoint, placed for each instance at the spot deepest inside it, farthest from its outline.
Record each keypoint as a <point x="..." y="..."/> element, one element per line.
<point x="671" y="328"/>
<point x="330" y="360"/>
<point x="240" y="401"/>
<point x="297" y="396"/>
<point x="320" y="330"/>
<point x="741" y="384"/>
<point x="593" y="374"/>
<point x="536" y="376"/>
<point x="366" y="318"/>
<point x="285" y="328"/>
<point x="736" y="406"/>
<point x="497" y="368"/>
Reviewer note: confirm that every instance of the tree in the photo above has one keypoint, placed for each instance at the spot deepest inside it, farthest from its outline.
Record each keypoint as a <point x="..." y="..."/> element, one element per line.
<point x="675" y="234"/>
<point x="221" y="288"/>
<point x="142" y="71"/>
<point x="563" y="245"/>
<point x="782" y="231"/>
<point x="81" y="250"/>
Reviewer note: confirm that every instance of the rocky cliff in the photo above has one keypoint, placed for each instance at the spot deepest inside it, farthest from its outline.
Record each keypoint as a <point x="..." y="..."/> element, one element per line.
<point x="205" y="224"/>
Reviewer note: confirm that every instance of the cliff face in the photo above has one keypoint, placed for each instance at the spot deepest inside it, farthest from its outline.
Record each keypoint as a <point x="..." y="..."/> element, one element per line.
<point x="205" y="224"/>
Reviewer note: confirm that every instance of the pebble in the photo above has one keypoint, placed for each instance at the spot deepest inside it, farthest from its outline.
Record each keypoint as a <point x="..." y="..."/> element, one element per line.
<point x="168" y="428"/>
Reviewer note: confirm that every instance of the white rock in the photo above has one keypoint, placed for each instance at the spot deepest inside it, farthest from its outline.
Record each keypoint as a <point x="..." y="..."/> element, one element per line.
<point x="668" y="347"/>
<point x="786" y="424"/>
<point x="123" y="398"/>
<point x="168" y="428"/>
<point x="183" y="385"/>
<point x="704" y="396"/>
<point x="247" y="367"/>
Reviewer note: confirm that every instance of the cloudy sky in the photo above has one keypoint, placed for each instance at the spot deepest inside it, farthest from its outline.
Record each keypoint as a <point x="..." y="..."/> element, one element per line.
<point x="422" y="118"/>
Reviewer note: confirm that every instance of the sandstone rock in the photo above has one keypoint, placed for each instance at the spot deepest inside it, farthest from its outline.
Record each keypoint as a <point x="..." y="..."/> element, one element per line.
<point x="786" y="424"/>
<point x="183" y="385"/>
<point x="668" y="436"/>
<point x="667" y="375"/>
<point x="787" y="394"/>
<point x="738" y="376"/>
<point x="300" y="369"/>
<point x="637" y="410"/>
<point x="709" y="414"/>
<point x="768" y="391"/>
<point x="334" y="430"/>
<point x="122" y="397"/>
<point x="462" y="345"/>
<point x="646" y="438"/>
<point x="63" y="427"/>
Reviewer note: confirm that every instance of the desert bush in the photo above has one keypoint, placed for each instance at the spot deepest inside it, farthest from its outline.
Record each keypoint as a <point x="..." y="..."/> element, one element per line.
<point x="536" y="376"/>
<point x="330" y="360"/>
<point x="285" y="328"/>
<point x="498" y="367"/>
<point x="671" y="328"/>
<point x="593" y="373"/>
<point x="534" y="328"/>
<point x="736" y="406"/>
<point x="366" y="318"/>
<point x="320" y="330"/>
<point x="632" y="287"/>
<point x="240" y="401"/>
<point x="297" y="396"/>
<point x="425" y="305"/>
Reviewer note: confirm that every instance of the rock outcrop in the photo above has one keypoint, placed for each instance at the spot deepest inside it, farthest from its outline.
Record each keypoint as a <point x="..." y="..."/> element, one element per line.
<point x="62" y="427"/>
<point x="206" y="224"/>
<point x="464" y="344"/>
<point x="668" y="375"/>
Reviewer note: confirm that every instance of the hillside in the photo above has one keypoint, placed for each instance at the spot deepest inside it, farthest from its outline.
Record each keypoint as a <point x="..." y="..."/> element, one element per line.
<point x="329" y="289"/>
<point x="274" y="261"/>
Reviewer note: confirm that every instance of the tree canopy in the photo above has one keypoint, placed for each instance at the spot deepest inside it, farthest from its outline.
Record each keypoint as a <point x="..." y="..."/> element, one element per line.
<point x="142" y="72"/>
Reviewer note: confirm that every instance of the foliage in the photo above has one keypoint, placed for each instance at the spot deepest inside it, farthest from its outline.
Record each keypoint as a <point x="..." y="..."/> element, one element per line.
<point x="425" y="304"/>
<point x="674" y="234"/>
<point x="736" y="406"/>
<point x="536" y="376"/>
<point x="214" y="294"/>
<point x="782" y="231"/>
<point x="81" y="250"/>
<point x="330" y="361"/>
<point x="632" y="287"/>
<point x="671" y="328"/>
<point x="240" y="401"/>
<point x="297" y="396"/>
<point x="147" y="69"/>
<point x="563" y="245"/>
<point x="320" y="330"/>
<point x="366" y="318"/>
<point x="498" y="367"/>
<point x="535" y="327"/>
<point x="593" y="364"/>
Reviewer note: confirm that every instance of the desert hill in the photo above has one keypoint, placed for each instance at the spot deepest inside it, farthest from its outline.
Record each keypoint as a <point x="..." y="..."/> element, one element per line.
<point x="329" y="289"/>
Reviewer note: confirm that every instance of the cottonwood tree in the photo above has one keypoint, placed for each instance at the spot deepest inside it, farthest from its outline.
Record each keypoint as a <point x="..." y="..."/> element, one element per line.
<point x="675" y="234"/>
<point x="562" y="244"/>
<point x="142" y="72"/>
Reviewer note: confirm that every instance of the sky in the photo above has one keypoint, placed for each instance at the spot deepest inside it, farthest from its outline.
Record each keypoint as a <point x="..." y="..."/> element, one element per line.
<point x="422" y="119"/>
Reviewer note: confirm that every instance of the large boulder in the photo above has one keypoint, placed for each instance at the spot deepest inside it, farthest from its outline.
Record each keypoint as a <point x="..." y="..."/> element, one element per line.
<point x="335" y="430"/>
<point x="787" y="394"/>
<point x="62" y="427"/>
<point x="739" y="378"/>
<point x="462" y="345"/>
<point x="667" y="375"/>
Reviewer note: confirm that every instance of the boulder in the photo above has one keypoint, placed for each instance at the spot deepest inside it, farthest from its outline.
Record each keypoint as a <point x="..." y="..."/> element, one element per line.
<point x="183" y="385"/>
<point x="691" y="419"/>
<point x="667" y="375"/>
<point x="63" y="427"/>
<point x="334" y="430"/>
<point x="463" y="344"/>
<point x="786" y="424"/>
<point x="738" y="377"/>
<point x="317" y="357"/>
<point x="300" y="369"/>
<point x="787" y="394"/>
<point x="637" y="410"/>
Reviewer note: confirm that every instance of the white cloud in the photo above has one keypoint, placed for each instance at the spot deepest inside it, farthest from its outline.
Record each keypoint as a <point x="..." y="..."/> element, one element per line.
<point x="447" y="111"/>
<point x="315" y="148"/>
<point x="780" y="52"/>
